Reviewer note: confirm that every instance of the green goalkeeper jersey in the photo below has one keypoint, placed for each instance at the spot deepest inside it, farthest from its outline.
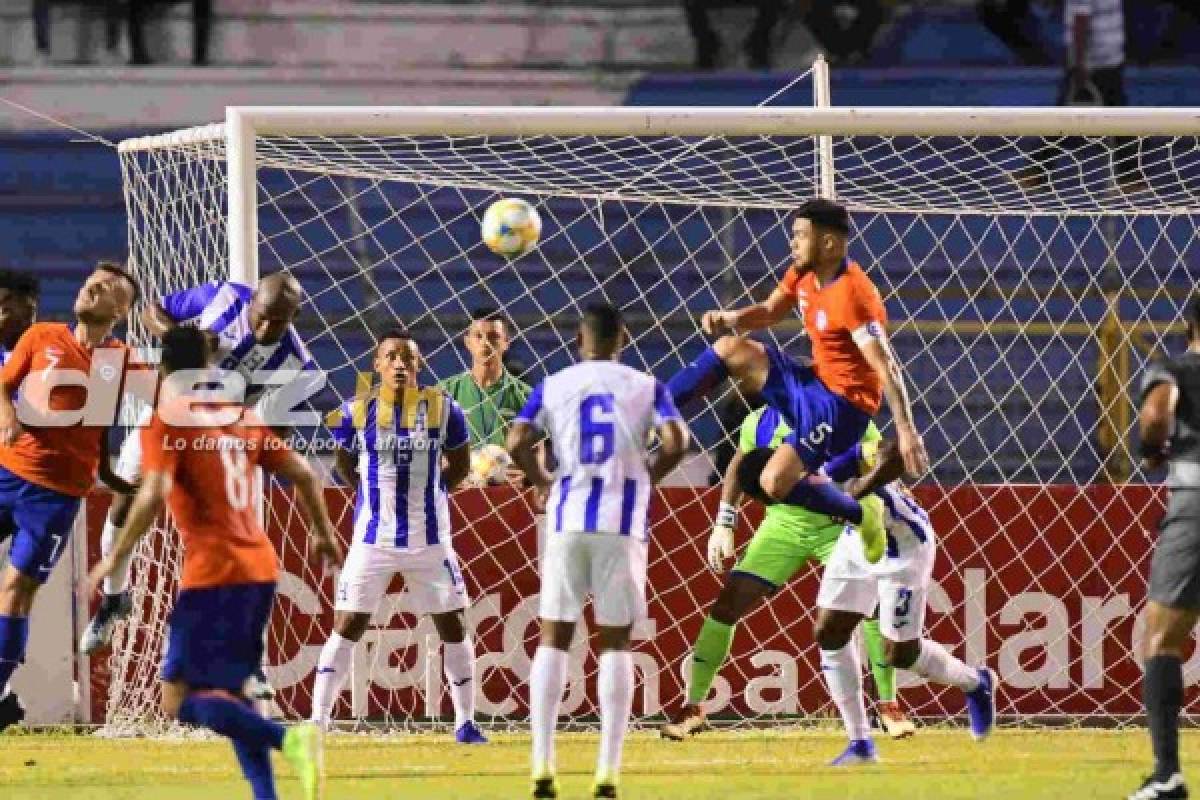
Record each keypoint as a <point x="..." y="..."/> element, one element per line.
<point x="765" y="427"/>
<point x="490" y="410"/>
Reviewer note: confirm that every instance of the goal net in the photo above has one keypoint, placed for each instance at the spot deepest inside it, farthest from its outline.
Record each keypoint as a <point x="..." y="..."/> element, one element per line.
<point x="1028" y="278"/>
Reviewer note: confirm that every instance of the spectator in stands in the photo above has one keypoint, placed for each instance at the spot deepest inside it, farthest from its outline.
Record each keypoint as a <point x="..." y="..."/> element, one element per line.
<point x="708" y="44"/>
<point x="489" y="394"/>
<point x="1094" y="75"/>
<point x="201" y="30"/>
<point x="41" y="31"/>
<point x="846" y="29"/>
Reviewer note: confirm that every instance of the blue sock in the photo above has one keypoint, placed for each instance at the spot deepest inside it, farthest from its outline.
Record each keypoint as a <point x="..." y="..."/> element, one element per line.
<point x="697" y="377"/>
<point x="14" y="635"/>
<point x="824" y="497"/>
<point x="219" y="712"/>
<point x="844" y="466"/>
<point x="256" y="766"/>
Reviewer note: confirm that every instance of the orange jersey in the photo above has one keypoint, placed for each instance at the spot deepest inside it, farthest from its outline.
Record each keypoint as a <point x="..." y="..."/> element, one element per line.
<point x="212" y="499"/>
<point x="834" y="314"/>
<point x="62" y="458"/>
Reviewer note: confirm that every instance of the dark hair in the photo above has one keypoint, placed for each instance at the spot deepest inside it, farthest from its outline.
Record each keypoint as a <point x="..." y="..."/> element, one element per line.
<point x="116" y="269"/>
<point x="602" y="321"/>
<point x="397" y="332"/>
<point x="826" y="214"/>
<point x="490" y="314"/>
<point x="184" y="347"/>
<point x="21" y="283"/>
<point x="750" y="470"/>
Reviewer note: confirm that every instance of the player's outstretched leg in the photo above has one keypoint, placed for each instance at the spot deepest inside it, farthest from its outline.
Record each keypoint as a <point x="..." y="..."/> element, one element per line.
<point x="458" y="662"/>
<point x="547" y="681"/>
<point x="936" y="664"/>
<point x="742" y="360"/>
<point x="843" y="675"/>
<point x="742" y="592"/>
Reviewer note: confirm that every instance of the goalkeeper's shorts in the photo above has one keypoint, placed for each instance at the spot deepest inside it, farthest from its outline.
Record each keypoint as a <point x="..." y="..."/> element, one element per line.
<point x="778" y="551"/>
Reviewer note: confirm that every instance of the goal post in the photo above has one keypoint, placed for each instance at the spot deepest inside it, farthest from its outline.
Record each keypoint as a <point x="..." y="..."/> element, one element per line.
<point x="1024" y="312"/>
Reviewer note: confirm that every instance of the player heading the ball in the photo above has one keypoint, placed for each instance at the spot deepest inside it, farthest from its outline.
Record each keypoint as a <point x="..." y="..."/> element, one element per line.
<point x="598" y="416"/>
<point x="829" y="404"/>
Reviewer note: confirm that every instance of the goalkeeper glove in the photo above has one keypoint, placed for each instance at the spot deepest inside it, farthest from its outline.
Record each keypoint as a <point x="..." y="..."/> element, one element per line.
<point x="720" y="541"/>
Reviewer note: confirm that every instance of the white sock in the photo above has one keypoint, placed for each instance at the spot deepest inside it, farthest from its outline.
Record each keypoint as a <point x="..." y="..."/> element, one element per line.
<point x="615" y="690"/>
<point x="333" y="667"/>
<point x="118" y="580"/>
<point x="935" y="663"/>
<point x="843" y="675"/>
<point x="458" y="661"/>
<point x="547" y="680"/>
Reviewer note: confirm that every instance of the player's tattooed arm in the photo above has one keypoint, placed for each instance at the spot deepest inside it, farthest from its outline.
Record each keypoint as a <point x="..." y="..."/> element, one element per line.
<point x="105" y="471"/>
<point x="147" y="505"/>
<point x="522" y="446"/>
<point x="458" y="465"/>
<point x="879" y="355"/>
<point x="1155" y="420"/>
<point x="673" y="443"/>
<point x="751" y="318"/>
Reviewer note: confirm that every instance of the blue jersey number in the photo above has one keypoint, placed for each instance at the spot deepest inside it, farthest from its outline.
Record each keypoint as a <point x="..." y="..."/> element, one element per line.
<point x="597" y="432"/>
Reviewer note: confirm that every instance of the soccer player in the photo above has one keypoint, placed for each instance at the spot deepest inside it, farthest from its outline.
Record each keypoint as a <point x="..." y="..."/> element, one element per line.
<point x="1169" y="425"/>
<point x="852" y="588"/>
<point x="597" y="415"/>
<point x="391" y="448"/>
<point x="829" y="405"/>
<point x="253" y="330"/>
<point x="787" y="540"/>
<point x="19" y="292"/>
<point x="488" y="394"/>
<point x="46" y="469"/>
<point x="199" y="459"/>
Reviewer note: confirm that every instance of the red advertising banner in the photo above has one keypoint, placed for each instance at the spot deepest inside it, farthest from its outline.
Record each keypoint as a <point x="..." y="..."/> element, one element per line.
<point x="1044" y="583"/>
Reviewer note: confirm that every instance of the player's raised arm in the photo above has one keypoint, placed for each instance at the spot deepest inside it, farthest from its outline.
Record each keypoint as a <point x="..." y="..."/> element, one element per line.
<point x="875" y="349"/>
<point x="104" y="471"/>
<point x="1156" y="417"/>
<point x="751" y="318"/>
<point x="522" y="441"/>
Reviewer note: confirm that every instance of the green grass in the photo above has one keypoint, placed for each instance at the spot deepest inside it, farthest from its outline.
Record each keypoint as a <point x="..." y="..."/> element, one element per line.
<point x="714" y="766"/>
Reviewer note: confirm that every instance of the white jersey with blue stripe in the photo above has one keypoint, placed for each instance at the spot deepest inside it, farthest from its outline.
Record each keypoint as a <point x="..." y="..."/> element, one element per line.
<point x="598" y="416"/>
<point x="908" y="526"/>
<point x="223" y="308"/>
<point x="401" y="502"/>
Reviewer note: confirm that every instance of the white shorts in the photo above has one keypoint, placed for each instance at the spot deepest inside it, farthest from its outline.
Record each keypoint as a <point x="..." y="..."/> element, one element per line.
<point x="129" y="460"/>
<point x="432" y="579"/>
<point x="609" y="567"/>
<point x="898" y="586"/>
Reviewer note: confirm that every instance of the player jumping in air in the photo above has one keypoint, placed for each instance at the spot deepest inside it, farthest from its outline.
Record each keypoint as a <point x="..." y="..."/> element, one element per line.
<point x="253" y="330"/>
<point x="597" y="416"/>
<point x="829" y="405"/>
<point x="788" y="539"/>
<point x="46" y="468"/>
<point x="1169" y="424"/>
<point x="200" y="460"/>
<point x="391" y="448"/>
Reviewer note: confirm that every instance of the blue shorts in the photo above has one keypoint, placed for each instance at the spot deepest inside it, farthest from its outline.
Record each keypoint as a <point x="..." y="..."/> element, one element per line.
<point x="215" y="635"/>
<point x="823" y="424"/>
<point x="40" y="521"/>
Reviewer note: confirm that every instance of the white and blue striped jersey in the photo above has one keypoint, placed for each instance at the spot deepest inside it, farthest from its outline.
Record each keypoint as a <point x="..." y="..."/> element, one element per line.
<point x="401" y="501"/>
<point x="223" y="308"/>
<point x="598" y="416"/>
<point x="908" y="526"/>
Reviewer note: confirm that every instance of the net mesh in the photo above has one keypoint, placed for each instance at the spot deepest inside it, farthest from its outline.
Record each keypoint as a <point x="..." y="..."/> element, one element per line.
<point x="1027" y="280"/>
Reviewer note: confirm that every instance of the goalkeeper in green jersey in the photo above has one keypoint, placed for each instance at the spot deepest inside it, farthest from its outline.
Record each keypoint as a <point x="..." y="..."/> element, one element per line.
<point x="788" y="538"/>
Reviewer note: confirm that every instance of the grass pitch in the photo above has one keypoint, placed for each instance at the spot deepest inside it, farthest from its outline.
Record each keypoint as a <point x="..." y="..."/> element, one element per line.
<point x="714" y="766"/>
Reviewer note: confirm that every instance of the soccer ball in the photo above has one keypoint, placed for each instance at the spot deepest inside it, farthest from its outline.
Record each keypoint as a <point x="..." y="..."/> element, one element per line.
<point x="489" y="465"/>
<point x="511" y="227"/>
